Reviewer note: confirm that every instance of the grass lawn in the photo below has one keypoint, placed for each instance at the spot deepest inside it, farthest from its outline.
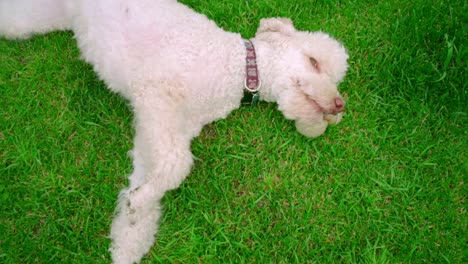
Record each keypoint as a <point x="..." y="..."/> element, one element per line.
<point x="384" y="186"/>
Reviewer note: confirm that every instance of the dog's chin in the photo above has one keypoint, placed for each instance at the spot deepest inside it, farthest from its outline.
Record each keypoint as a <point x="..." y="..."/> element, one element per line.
<point x="333" y="119"/>
<point x="310" y="129"/>
<point x="315" y="128"/>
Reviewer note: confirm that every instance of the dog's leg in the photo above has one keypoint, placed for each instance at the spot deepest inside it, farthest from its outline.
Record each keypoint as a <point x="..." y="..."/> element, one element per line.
<point x="23" y="18"/>
<point x="162" y="160"/>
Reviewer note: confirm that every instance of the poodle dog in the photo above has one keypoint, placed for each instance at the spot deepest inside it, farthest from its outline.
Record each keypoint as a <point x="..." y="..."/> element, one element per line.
<point x="180" y="71"/>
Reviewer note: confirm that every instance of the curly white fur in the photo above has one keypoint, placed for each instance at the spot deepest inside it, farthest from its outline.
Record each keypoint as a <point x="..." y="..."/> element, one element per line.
<point x="180" y="71"/>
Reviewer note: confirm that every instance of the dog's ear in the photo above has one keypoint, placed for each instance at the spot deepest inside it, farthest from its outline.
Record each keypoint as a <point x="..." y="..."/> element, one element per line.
<point x="281" y="25"/>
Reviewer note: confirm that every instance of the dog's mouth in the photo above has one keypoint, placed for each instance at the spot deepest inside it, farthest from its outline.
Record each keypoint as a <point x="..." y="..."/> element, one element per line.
<point x="336" y="107"/>
<point x="315" y="105"/>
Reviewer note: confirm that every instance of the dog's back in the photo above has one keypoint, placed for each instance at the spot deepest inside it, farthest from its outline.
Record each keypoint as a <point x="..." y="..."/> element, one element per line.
<point x="122" y="38"/>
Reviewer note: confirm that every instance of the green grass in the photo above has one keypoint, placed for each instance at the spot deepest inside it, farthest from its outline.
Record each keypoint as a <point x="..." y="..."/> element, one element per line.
<point x="384" y="186"/>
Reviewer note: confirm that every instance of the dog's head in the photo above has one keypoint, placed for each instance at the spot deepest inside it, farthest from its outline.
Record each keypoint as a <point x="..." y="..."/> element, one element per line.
<point x="305" y="70"/>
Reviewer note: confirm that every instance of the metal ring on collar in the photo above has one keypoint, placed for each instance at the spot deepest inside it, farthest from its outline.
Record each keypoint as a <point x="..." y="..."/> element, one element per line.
<point x="252" y="90"/>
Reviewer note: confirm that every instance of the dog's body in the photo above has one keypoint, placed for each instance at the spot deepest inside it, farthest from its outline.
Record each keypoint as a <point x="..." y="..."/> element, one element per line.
<point x="180" y="71"/>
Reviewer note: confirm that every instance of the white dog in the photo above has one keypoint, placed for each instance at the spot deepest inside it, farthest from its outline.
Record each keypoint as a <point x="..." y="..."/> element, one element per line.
<point x="180" y="71"/>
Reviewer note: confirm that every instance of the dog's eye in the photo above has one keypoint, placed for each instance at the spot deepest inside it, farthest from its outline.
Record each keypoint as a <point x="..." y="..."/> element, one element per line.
<point x="314" y="62"/>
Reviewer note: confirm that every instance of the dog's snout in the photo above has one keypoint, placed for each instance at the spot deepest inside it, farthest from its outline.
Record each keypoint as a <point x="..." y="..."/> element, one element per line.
<point x="339" y="105"/>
